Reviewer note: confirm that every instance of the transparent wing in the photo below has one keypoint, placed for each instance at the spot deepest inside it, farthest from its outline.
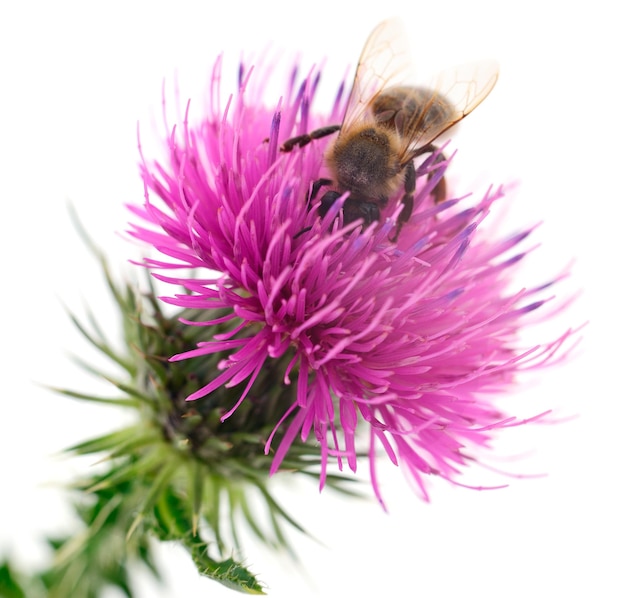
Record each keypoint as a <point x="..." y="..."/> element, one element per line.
<point x="453" y="94"/>
<point x="384" y="61"/>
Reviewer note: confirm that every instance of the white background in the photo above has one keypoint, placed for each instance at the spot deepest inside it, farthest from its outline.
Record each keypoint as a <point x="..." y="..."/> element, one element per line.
<point x="75" y="79"/>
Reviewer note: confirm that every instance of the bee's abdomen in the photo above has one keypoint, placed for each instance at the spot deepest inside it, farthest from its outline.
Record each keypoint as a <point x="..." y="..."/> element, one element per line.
<point x="411" y="110"/>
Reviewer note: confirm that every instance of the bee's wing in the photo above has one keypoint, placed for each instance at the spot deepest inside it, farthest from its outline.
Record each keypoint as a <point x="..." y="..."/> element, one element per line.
<point x="453" y="94"/>
<point x="384" y="61"/>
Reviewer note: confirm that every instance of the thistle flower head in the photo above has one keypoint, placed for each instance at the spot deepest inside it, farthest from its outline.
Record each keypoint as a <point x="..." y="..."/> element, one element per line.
<point x="402" y="344"/>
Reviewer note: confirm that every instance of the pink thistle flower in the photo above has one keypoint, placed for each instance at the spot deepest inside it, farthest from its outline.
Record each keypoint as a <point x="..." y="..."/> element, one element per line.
<point x="408" y="341"/>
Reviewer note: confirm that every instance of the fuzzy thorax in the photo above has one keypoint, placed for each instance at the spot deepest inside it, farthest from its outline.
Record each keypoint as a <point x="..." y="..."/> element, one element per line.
<point x="366" y="161"/>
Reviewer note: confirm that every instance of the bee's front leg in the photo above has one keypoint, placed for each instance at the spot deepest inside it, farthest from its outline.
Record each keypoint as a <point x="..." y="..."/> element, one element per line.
<point x="315" y="189"/>
<point x="302" y="140"/>
<point x="328" y="199"/>
<point x="407" y="198"/>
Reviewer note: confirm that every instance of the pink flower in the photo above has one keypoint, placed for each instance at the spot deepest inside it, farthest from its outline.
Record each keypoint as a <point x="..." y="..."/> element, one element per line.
<point x="410" y="342"/>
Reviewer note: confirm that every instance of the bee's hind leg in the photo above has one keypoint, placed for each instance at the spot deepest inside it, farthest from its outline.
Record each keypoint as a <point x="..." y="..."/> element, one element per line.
<point x="440" y="189"/>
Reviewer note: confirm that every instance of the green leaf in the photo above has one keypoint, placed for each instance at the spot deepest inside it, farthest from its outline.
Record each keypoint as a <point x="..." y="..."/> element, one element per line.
<point x="121" y="402"/>
<point x="10" y="587"/>
<point x="102" y="345"/>
<point x="196" y="493"/>
<point x="228" y="572"/>
<point x="155" y="491"/>
<point x="172" y="518"/>
<point x="106" y="442"/>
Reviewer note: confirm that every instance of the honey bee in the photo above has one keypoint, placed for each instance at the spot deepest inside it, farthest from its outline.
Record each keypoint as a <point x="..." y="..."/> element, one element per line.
<point x="388" y="124"/>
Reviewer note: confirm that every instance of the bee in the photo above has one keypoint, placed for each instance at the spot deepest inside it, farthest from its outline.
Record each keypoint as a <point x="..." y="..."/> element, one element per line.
<point x="388" y="124"/>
